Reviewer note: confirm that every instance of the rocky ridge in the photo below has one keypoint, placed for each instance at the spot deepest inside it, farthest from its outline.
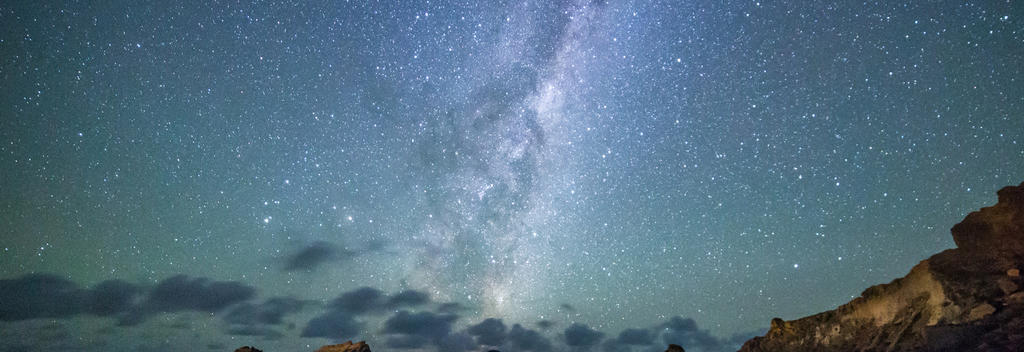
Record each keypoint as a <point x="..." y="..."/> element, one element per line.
<point x="964" y="299"/>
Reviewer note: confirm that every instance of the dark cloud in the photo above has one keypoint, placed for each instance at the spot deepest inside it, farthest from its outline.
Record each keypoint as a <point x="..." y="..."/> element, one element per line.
<point x="522" y="339"/>
<point x="367" y="300"/>
<point x="39" y="296"/>
<point x="318" y="253"/>
<point x="685" y="332"/>
<point x="457" y="342"/>
<point x="426" y="324"/>
<point x="48" y="296"/>
<point x="635" y="337"/>
<point x="252" y="319"/>
<point x="180" y="292"/>
<point x="490" y="332"/>
<point x="112" y="297"/>
<point x="450" y="308"/>
<point x="333" y="324"/>
<point x="567" y="307"/>
<point x="545" y="324"/>
<point x="270" y="312"/>
<point x="264" y="331"/>
<point x="339" y="321"/>
<point x="629" y="338"/>
<point x="407" y="341"/>
<point x="183" y="293"/>
<point x="409" y="298"/>
<point x="314" y="255"/>
<point x="360" y="300"/>
<point x="677" y="323"/>
<point x="579" y="335"/>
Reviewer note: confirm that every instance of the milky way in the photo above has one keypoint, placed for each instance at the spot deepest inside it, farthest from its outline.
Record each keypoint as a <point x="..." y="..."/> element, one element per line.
<point x="495" y="164"/>
<point x="527" y="176"/>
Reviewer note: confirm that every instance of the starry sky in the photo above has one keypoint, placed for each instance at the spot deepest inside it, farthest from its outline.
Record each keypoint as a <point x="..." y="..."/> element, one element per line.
<point x="467" y="175"/>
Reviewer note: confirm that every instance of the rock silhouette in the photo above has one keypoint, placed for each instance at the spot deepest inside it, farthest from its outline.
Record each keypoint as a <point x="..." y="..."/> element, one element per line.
<point x="962" y="299"/>
<point x="675" y="348"/>
<point x="360" y="346"/>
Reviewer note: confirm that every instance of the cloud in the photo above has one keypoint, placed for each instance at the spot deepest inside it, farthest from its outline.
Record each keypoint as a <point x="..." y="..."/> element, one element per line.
<point x="677" y="323"/>
<point x="183" y="293"/>
<point x="631" y="337"/>
<point x="333" y="324"/>
<point x="39" y="296"/>
<point x="579" y="335"/>
<point x="490" y="332"/>
<point x="48" y="296"/>
<point x="318" y="253"/>
<point x="314" y="255"/>
<point x="635" y="337"/>
<point x="179" y="293"/>
<point x="264" y="331"/>
<point x="450" y="308"/>
<point x="339" y="321"/>
<point x="360" y="300"/>
<point x="270" y="312"/>
<point x="457" y="342"/>
<point x="522" y="339"/>
<point x="259" y="319"/>
<point x="406" y="341"/>
<point x="545" y="324"/>
<point x="408" y="298"/>
<point x="567" y="307"/>
<point x="365" y="300"/>
<point x="493" y="333"/>
<point x="685" y="332"/>
<point x="426" y="324"/>
<point x="112" y="297"/>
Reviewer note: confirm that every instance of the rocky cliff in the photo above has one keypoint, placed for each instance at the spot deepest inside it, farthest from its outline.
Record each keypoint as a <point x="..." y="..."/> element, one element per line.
<point x="963" y="299"/>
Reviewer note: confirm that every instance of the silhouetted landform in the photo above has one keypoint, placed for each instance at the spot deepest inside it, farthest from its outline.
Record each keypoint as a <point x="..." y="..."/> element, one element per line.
<point x="360" y="346"/>
<point x="962" y="299"/>
<point x="675" y="348"/>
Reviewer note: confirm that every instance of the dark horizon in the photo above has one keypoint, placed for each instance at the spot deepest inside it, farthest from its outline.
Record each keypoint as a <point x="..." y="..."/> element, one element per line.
<point x="525" y="176"/>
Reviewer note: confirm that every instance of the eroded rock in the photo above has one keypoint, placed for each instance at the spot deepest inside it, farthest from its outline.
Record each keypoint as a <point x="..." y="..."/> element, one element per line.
<point x="946" y="303"/>
<point x="360" y="346"/>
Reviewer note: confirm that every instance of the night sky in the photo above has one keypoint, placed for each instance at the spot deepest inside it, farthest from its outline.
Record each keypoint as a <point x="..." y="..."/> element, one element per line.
<point x="527" y="175"/>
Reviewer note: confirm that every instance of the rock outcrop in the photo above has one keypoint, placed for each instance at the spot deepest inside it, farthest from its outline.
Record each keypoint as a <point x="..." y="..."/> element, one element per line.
<point x="360" y="346"/>
<point x="962" y="299"/>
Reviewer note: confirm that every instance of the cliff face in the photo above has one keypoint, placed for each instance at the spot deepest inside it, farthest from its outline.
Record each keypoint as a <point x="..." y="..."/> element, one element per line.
<point x="963" y="299"/>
